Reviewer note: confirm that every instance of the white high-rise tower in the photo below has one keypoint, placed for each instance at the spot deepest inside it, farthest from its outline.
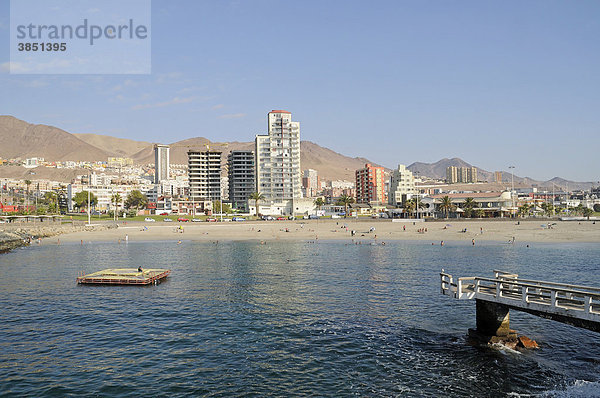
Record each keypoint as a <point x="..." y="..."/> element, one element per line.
<point x="161" y="163"/>
<point x="278" y="175"/>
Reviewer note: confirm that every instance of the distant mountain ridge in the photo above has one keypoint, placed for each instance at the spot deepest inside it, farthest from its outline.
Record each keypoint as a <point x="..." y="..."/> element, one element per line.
<point x="23" y="140"/>
<point x="438" y="170"/>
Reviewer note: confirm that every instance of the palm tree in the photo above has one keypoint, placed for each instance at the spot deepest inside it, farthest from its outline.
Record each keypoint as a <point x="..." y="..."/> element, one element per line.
<point x="479" y="213"/>
<point x="587" y="212"/>
<point x="319" y="202"/>
<point x="116" y="199"/>
<point x="28" y="183"/>
<point x="345" y="200"/>
<point x="468" y="205"/>
<point x="446" y="206"/>
<point x="256" y="197"/>
<point x="524" y="210"/>
<point x="51" y="199"/>
<point x="410" y="205"/>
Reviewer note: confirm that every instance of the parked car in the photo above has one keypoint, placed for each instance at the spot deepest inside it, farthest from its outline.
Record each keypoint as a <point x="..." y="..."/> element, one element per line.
<point x="149" y="219"/>
<point x="196" y="220"/>
<point x="238" y="219"/>
<point x="183" y="219"/>
<point x="164" y="213"/>
<point x="268" y="218"/>
<point x="167" y="220"/>
<point x="211" y="219"/>
<point x="281" y="218"/>
<point x="305" y="217"/>
<point x="291" y="218"/>
<point x="313" y="217"/>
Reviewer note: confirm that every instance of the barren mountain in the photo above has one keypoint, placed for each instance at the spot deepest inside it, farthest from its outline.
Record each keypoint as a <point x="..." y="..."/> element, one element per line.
<point x="438" y="170"/>
<point x="23" y="140"/>
<point x="118" y="147"/>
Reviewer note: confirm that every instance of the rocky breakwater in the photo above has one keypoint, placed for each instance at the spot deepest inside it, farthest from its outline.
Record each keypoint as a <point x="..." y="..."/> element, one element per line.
<point x="17" y="236"/>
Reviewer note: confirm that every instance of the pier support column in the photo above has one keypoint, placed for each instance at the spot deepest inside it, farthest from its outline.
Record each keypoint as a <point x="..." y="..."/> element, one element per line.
<point x="492" y="319"/>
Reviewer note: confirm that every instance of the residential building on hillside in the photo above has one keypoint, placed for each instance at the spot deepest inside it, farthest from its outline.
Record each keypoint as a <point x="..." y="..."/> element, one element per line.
<point x="370" y="182"/>
<point x="117" y="163"/>
<point x="204" y="175"/>
<point x="241" y="178"/>
<point x="277" y="163"/>
<point x="402" y="185"/>
<point x="161" y="163"/>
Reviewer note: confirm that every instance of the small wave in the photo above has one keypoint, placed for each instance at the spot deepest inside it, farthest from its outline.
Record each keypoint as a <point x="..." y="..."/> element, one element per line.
<point x="580" y="388"/>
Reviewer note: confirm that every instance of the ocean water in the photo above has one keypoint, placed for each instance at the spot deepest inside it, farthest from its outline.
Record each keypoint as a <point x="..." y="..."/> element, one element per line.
<point x="283" y="319"/>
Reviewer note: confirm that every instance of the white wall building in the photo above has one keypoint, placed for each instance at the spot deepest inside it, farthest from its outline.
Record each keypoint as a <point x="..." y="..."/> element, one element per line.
<point x="278" y="175"/>
<point x="161" y="163"/>
<point x="402" y="185"/>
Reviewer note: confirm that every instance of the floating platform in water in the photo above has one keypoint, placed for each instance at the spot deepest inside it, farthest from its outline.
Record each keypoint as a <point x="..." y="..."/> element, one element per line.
<point x="124" y="276"/>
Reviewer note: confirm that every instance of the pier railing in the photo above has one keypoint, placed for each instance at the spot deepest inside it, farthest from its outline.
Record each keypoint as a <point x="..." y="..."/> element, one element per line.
<point x="539" y="297"/>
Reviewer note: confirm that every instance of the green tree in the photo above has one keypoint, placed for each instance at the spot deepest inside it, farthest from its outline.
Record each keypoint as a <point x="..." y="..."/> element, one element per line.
<point x="587" y="212"/>
<point x="81" y="199"/>
<point x="319" y="202"/>
<point x="226" y="208"/>
<point x="51" y="200"/>
<point x="524" y="210"/>
<point x="468" y="205"/>
<point x="256" y="197"/>
<point x="116" y="199"/>
<point x="136" y="200"/>
<point x="345" y="200"/>
<point x="548" y="208"/>
<point x="446" y="205"/>
<point x="410" y="205"/>
<point x="479" y="213"/>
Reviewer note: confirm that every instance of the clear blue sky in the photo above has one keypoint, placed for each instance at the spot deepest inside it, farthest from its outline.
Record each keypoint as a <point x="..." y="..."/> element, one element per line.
<point x="494" y="83"/>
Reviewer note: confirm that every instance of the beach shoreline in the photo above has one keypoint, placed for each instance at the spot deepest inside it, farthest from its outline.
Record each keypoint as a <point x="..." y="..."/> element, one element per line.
<point x="471" y="231"/>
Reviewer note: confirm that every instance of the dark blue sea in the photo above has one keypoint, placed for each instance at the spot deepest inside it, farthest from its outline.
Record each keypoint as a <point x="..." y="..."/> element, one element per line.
<point x="282" y="319"/>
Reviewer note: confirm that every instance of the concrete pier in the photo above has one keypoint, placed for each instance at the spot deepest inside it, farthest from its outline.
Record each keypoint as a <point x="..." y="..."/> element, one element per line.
<point x="492" y="319"/>
<point x="568" y="303"/>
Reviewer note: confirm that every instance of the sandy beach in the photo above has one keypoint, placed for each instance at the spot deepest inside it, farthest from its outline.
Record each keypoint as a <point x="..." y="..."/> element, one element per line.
<point x="523" y="232"/>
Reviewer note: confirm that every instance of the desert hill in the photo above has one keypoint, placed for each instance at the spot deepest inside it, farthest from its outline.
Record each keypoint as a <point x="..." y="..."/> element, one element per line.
<point x="23" y="140"/>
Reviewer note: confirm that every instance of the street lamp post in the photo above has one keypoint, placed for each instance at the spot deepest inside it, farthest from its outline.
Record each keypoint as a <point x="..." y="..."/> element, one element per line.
<point x="89" y="197"/>
<point x="416" y="198"/>
<point x="512" y="189"/>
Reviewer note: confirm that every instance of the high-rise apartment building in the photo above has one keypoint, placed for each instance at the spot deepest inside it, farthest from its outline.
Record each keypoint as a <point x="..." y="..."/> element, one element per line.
<point x="310" y="183"/>
<point x="402" y="185"/>
<point x="161" y="163"/>
<point x="451" y="174"/>
<point x="241" y="178"/>
<point x="370" y="182"/>
<point x="204" y="173"/>
<point x="461" y="174"/>
<point x="498" y="176"/>
<point x="277" y="162"/>
<point x="471" y="174"/>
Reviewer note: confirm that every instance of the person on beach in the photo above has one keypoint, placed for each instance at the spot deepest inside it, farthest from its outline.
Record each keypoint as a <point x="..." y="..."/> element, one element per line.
<point x="442" y="243"/>
<point x="140" y="269"/>
<point x="473" y="241"/>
